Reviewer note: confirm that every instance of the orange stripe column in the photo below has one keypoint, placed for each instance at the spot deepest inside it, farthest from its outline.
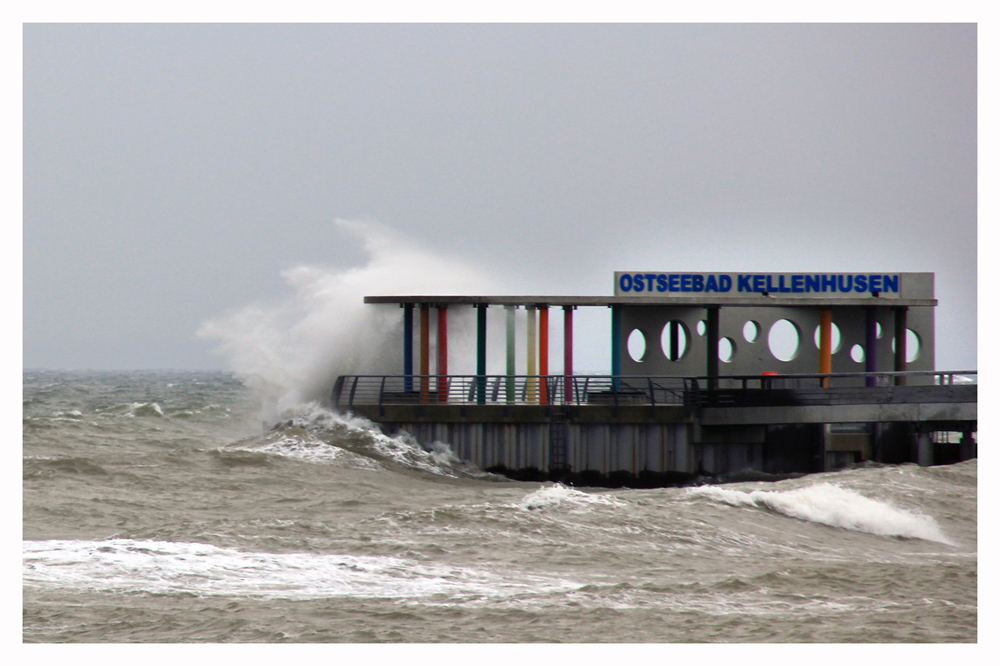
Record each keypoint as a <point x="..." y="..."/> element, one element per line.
<point x="543" y="352"/>
<point x="825" y="343"/>
<point x="425" y="352"/>
<point x="442" y="353"/>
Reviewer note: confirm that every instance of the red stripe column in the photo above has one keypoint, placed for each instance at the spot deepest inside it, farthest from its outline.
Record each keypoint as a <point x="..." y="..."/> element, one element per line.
<point x="442" y="353"/>
<point x="568" y="350"/>
<point x="543" y="352"/>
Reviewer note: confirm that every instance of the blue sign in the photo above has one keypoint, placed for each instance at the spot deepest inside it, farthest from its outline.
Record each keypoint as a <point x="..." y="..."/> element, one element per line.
<point x="654" y="284"/>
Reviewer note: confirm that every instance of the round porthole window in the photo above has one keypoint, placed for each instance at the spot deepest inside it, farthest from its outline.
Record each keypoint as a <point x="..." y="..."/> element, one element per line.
<point x="783" y="340"/>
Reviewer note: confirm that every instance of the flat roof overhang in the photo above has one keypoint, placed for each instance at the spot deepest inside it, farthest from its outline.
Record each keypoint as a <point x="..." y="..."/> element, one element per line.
<point x="756" y="301"/>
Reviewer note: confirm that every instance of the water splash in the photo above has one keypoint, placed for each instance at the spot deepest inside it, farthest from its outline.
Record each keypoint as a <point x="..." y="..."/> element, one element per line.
<point x="291" y="353"/>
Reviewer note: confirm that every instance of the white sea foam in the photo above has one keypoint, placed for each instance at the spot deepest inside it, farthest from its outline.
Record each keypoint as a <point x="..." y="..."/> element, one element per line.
<point x="835" y="506"/>
<point x="168" y="567"/>
<point x="560" y="496"/>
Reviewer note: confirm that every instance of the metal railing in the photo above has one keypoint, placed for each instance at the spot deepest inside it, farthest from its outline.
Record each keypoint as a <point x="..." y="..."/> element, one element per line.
<point x="351" y="390"/>
<point x="380" y="390"/>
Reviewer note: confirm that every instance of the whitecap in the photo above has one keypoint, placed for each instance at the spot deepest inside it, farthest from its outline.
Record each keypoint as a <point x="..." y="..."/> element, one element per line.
<point x="832" y="505"/>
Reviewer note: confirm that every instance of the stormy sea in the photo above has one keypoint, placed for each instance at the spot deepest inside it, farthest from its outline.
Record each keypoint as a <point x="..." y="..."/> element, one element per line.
<point x="157" y="507"/>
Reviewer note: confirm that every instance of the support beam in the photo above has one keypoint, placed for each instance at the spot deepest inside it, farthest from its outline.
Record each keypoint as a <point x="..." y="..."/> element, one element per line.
<point x="442" y="353"/>
<point x="425" y="352"/>
<point x="481" y="354"/>
<point x="712" y="347"/>
<point x="532" y="345"/>
<point x="925" y="449"/>
<point x="568" y="350"/>
<point x="511" y="366"/>
<point x="900" y="333"/>
<point x="408" y="347"/>
<point x="825" y="344"/>
<point x="616" y="343"/>
<point x="871" y="344"/>
<point x="543" y="353"/>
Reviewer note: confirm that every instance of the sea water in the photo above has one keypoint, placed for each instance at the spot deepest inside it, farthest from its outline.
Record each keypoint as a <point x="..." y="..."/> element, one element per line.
<point x="158" y="508"/>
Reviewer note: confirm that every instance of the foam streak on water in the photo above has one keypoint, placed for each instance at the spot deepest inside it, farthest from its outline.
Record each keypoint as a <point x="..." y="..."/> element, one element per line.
<point x="161" y="567"/>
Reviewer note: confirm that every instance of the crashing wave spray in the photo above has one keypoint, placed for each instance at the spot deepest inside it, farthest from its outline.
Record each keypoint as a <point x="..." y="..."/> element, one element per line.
<point x="291" y="353"/>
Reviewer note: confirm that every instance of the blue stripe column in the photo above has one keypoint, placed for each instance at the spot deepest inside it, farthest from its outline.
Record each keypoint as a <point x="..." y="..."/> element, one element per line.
<point x="408" y="347"/>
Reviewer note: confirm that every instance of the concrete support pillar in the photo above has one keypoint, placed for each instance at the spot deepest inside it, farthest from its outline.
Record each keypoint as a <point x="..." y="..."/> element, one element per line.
<point x="967" y="447"/>
<point x="871" y="345"/>
<point x="900" y="337"/>
<point x="408" y="347"/>
<point x="568" y="350"/>
<point x="825" y="344"/>
<point x="425" y="352"/>
<point x="925" y="449"/>
<point x="712" y="347"/>
<point x="481" y="353"/>
<point x="442" y="353"/>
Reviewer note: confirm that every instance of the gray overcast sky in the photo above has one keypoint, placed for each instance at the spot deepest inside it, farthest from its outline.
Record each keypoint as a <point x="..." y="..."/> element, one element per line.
<point x="172" y="172"/>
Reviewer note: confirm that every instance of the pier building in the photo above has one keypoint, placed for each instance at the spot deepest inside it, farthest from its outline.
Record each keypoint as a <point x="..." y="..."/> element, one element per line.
<point x="710" y="374"/>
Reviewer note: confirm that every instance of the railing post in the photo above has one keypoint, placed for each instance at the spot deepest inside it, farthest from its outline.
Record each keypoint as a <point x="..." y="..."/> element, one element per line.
<point x="354" y="387"/>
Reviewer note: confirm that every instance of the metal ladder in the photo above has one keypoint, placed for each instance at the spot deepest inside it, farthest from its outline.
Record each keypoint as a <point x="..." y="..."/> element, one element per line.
<point x="558" y="433"/>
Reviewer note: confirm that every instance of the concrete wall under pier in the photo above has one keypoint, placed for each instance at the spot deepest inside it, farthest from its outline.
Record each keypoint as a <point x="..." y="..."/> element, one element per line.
<point x="604" y="448"/>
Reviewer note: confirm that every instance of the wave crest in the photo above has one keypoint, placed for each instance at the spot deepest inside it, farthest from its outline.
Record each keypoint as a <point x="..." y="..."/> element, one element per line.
<point x="832" y="505"/>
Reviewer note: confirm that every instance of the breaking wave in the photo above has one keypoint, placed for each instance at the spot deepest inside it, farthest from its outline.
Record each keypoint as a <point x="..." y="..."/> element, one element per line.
<point x="564" y="497"/>
<point x="832" y="505"/>
<point x="315" y="434"/>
